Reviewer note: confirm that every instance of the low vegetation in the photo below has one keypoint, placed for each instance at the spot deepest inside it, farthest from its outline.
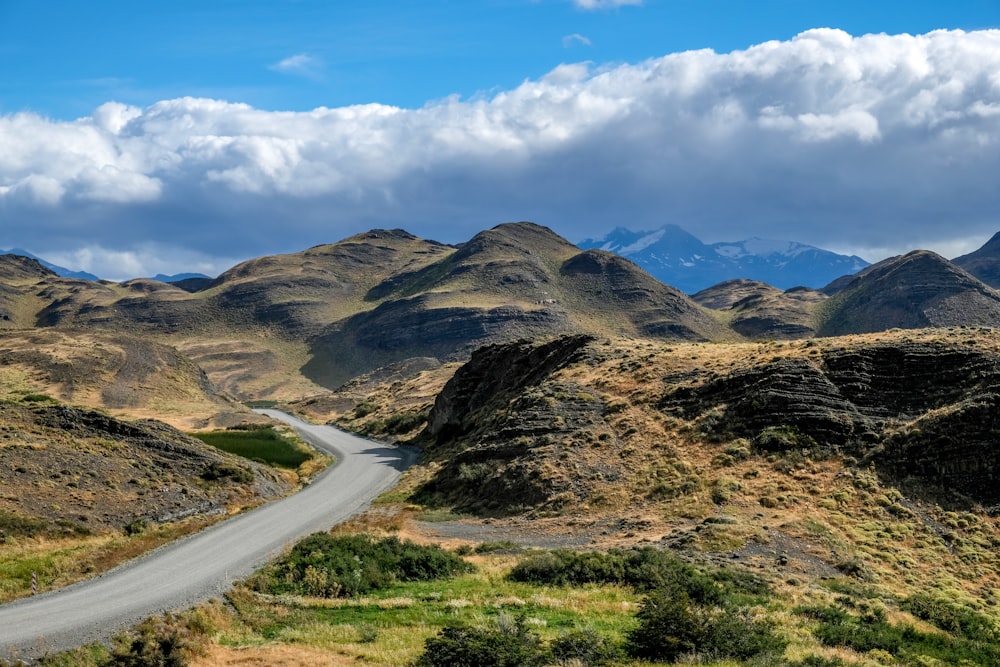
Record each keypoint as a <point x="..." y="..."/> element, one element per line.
<point x="324" y="565"/>
<point x="264" y="445"/>
<point x="388" y="601"/>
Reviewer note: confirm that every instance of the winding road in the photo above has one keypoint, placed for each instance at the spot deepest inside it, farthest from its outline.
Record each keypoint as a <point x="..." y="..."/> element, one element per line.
<point x="203" y="565"/>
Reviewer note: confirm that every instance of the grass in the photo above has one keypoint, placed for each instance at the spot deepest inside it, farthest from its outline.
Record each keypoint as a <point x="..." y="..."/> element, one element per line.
<point x="389" y="627"/>
<point x="60" y="561"/>
<point x="262" y="444"/>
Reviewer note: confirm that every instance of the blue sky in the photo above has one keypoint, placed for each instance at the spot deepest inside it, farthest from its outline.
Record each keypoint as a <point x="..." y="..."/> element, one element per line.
<point x="65" y="58"/>
<point x="140" y="137"/>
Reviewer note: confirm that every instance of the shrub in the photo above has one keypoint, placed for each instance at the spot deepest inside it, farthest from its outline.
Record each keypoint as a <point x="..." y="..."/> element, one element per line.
<point x="643" y="568"/>
<point x="510" y="644"/>
<point x="501" y="545"/>
<point x="405" y="422"/>
<point x="37" y="398"/>
<point x="781" y="439"/>
<point x="364" y="409"/>
<point x="950" y="617"/>
<point x="167" y="641"/>
<point x="324" y="565"/>
<point x="671" y="624"/>
<point x="585" y="647"/>
<point x="16" y="525"/>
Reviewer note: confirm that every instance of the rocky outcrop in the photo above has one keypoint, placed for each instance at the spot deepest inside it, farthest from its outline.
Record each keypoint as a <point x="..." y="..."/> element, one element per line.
<point x="788" y="393"/>
<point x="493" y="376"/>
<point x="495" y="430"/>
<point x="953" y="449"/>
<point x="914" y="409"/>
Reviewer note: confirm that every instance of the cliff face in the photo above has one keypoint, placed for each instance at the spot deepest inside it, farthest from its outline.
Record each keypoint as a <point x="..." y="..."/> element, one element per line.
<point x="525" y="426"/>
<point x="495" y="401"/>
<point x="913" y="409"/>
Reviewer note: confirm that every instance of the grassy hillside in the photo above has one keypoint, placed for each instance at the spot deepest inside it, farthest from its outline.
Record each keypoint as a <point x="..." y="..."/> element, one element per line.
<point x="82" y="491"/>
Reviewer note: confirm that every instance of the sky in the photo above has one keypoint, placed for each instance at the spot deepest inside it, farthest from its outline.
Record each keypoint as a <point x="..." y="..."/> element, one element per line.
<point x="167" y="136"/>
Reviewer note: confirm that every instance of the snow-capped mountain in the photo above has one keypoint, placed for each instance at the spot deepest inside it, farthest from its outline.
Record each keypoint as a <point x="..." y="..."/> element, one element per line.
<point x="678" y="258"/>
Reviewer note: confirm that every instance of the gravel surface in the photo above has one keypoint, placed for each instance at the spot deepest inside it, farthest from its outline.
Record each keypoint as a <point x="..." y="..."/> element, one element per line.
<point x="203" y="566"/>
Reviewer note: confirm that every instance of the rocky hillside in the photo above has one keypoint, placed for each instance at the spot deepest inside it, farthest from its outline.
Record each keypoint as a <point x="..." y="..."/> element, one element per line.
<point x="66" y="469"/>
<point x="122" y="374"/>
<point x="758" y="310"/>
<point x="544" y="424"/>
<point x="295" y="325"/>
<point x="984" y="263"/>
<point x="514" y="281"/>
<point x="917" y="290"/>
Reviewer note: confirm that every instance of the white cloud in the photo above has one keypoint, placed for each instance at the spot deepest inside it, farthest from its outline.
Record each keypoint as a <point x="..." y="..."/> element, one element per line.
<point x="592" y="5"/>
<point x="301" y="64"/>
<point x="866" y="142"/>
<point x="143" y="260"/>
<point x="575" y="38"/>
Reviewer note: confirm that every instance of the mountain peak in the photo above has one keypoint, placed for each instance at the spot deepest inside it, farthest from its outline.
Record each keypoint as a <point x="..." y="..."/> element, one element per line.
<point x="911" y="291"/>
<point x="984" y="263"/>
<point x="678" y="258"/>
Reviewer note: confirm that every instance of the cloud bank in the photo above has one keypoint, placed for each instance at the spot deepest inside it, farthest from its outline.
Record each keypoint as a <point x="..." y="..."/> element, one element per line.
<point x="871" y="144"/>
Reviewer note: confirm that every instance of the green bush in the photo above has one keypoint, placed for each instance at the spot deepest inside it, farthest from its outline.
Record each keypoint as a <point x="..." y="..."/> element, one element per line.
<point x="672" y="624"/>
<point x="15" y="525"/>
<point x="37" y="398"/>
<point x="643" y="568"/>
<point x="818" y="661"/>
<point x="166" y="641"/>
<point x="950" y="617"/>
<point x="585" y="647"/>
<point x="325" y="565"/>
<point x="510" y="644"/>
<point x="869" y="633"/>
<point x="781" y="439"/>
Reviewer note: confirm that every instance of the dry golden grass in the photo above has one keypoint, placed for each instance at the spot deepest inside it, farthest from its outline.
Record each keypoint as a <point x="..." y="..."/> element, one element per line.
<point x="814" y="515"/>
<point x="61" y="562"/>
<point x="137" y="379"/>
<point x="282" y="655"/>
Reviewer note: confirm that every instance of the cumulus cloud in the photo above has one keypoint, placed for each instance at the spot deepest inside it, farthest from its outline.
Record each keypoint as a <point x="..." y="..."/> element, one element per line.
<point x="868" y="144"/>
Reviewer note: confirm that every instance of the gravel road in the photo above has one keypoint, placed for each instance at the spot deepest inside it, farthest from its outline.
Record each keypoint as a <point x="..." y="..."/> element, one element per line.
<point x="202" y="566"/>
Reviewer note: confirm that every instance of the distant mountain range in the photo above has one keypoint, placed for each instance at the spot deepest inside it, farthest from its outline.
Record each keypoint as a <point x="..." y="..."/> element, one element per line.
<point x="178" y="277"/>
<point x="678" y="258"/>
<point x="60" y="271"/>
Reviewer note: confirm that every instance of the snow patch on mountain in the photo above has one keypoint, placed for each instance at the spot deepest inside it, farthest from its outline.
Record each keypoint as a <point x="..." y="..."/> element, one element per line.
<point x="678" y="258"/>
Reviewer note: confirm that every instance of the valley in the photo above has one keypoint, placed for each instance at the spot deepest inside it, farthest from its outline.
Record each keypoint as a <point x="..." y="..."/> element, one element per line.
<point x="837" y="443"/>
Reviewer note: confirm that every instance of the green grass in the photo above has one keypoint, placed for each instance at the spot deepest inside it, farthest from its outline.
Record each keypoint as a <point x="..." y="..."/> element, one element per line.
<point x="263" y="444"/>
<point x="405" y="614"/>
